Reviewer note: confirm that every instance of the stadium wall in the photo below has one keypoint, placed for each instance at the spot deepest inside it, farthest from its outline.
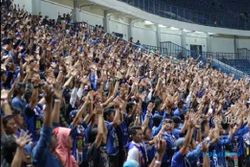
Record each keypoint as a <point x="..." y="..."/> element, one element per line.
<point x="209" y="38"/>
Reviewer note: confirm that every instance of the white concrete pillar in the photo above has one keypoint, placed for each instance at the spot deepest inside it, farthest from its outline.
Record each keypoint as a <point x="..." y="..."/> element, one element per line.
<point x="183" y="39"/>
<point x="158" y="36"/>
<point x="106" y="21"/>
<point x="36" y="7"/>
<point x="76" y="11"/>
<point x="130" y="25"/>
<point x="209" y="40"/>
<point x="236" y="44"/>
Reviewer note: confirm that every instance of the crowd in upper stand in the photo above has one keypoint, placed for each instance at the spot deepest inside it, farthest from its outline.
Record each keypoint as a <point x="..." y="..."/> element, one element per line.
<point x="77" y="96"/>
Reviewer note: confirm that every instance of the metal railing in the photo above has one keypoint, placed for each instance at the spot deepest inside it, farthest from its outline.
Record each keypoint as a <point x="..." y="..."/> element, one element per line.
<point x="215" y="19"/>
<point x="229" y="63"/>
<point x="243" y="53"/>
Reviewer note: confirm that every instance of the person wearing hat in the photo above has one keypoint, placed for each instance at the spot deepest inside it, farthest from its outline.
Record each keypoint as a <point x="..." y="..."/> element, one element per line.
<point x="182" y="145"/>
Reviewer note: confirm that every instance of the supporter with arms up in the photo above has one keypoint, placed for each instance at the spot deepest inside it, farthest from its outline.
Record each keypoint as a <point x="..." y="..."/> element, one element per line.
<point x="178" y="159"/>
<point x="97" y="157"/>
<point x="43" y="154"/>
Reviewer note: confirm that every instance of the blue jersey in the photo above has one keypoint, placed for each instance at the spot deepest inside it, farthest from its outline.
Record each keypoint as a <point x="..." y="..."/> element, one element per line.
<point x="178" y="160"/>
<point x="239" y="138"/>
<point x="34" y="120"/>
<point x="112" y="139"/>
<point x="171" y="148"/>
<point x="79" y="146"/>
<point x="125" y="136"/>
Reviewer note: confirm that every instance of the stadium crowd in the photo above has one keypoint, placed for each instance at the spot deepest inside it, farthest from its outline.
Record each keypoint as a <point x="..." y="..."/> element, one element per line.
<point x="72" y="96"/>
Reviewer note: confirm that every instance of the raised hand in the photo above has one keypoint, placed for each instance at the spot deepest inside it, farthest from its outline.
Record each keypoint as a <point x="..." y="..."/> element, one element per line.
<point x="99" y="109"/>
<point x="48" y="93"/>
<point x="160" y="146"/>
<point x="23" y="139"/>
<point x="204" y="147"/>
<point x="58" y="90"/>
<point x="150" y="107"/>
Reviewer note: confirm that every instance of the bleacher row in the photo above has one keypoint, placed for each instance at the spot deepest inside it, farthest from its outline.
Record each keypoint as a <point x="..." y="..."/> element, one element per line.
<point x="240" y="64"/>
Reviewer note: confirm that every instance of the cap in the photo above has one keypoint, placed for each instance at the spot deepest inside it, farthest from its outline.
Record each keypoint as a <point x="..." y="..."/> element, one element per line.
<point x="179" y="142"/>
<point x="73" y="113"/>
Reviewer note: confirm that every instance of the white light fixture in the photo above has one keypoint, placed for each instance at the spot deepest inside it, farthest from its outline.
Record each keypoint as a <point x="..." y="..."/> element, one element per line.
<point x="162" y="26"/>
<point x="185" y="30"/>
<point x="173" y="28"/>
<point x="210" y="33"/>
<point x="199" y="32"/>
<point x="148" y="22"/>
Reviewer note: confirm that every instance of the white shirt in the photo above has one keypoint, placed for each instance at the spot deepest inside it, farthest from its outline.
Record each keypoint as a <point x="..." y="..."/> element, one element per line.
<point x="134" y="153"/>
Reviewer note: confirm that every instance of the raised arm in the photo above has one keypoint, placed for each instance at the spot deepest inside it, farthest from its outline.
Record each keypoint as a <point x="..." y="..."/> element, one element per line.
<point x="33" y="99"/>
<point x="101" y="131"/>
<point x="57" y="104"/>
<point x="23" y="139"/>
<point x="47" y="112"/>
<point x="160" y="150"/>
<point x="111" y="95"/>
<point x="187" y="139"/>
<point x="68" y="82"/>
<point x="147" y="116"/>
<point x="80" y="112"/>
<point x="117" y="117"/>
<point x="46" y="131"/>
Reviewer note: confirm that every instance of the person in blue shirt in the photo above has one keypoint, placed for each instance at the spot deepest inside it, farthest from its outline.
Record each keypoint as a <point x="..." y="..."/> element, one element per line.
<point x="181" y="108"/>
<point x="125" y="137"/>
<point x="178" y="159"/>
<point x="218" y="148"/>
<point x="150" y="149"/>
<point x="43" y="152"/>
<point x="33" y="119"/>
<point x="93" y="79"/>
<point x="169" y="137"/>
<point x="112" y="120"/>
<point x="18" y="103"/>
<point x="33" y="113"/>
<point x="245" y="128"/>
<point x="246" y="138"/>
<point x="79" y="146"/>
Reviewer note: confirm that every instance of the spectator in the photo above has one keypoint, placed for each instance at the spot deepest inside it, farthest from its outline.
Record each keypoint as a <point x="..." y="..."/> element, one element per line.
<point x="137" y="150"/>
